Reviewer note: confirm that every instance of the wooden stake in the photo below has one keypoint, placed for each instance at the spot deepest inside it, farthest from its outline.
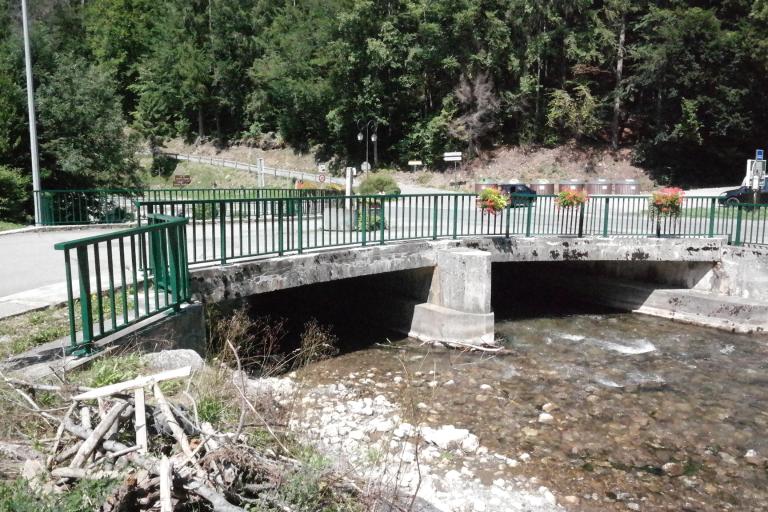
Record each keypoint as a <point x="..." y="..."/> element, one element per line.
<point x="138" y="382"/>
<point x="141" y="421"/>
<point x="166" y="485"/>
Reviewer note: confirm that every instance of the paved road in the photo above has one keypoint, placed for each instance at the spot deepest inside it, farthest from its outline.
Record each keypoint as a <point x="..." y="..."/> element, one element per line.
<point x="31" y="270"/>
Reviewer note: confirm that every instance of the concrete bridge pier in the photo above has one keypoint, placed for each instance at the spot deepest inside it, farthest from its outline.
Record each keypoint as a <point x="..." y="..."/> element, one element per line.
<point x="458" y="309"/>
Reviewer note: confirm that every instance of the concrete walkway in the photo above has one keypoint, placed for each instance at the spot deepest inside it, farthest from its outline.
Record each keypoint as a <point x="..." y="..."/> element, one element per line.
<point x="32" y="271"/>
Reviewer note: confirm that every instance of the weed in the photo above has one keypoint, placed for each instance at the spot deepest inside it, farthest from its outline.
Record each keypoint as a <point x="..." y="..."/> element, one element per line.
<point x="86" y="495"/>
<point x="210" y="409"/>
<point x="111" y="370"/>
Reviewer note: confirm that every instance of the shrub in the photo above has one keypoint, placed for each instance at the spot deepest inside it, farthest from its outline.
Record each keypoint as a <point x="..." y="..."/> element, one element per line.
<point x="379" y="184"/>
<point x="667" y="202"/>
<point x="571" y="198"/>
<point x="13" y="193"/>
<point x="163" y="165"/>
<point x="492" y="200"/>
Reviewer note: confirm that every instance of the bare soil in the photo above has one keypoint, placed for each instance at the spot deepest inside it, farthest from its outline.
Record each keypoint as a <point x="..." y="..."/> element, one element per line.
<point x="529" y="164"/>
<point x="524" y="163"/>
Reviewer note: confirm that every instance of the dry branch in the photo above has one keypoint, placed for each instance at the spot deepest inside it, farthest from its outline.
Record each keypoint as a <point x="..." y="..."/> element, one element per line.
<point x="97" y="434"/>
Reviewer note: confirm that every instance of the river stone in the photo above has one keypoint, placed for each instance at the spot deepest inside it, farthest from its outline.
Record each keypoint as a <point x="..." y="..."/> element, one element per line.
<point x="172" y="359"/>
<point x="445" y="437"/>
<point x="672" y="469"/>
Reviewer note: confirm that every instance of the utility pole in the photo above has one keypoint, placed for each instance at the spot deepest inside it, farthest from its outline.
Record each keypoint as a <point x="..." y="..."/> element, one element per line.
<point x="31" y="106"/>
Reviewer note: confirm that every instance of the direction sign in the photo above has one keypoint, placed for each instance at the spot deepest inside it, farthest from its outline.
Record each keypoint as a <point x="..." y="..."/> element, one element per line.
<point x="452" y="156"/>
<point x="415" y="162"/>
<point x="179" y="180"/>
<point x="452" y="153"/>
<point x="759" y="154"/>
<point x="365" y="166"/>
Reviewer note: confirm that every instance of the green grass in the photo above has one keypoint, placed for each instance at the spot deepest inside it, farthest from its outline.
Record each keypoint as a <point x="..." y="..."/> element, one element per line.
<point x="23" y="332"/>
<point x="85" y="495"/>
<point x="210" y="176"/>
<point x="111" y="370"/>
<point x="7" y="226"/>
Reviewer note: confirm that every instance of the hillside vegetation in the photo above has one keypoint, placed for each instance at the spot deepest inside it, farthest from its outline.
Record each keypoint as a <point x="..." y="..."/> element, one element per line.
<point x="681" y="82"/>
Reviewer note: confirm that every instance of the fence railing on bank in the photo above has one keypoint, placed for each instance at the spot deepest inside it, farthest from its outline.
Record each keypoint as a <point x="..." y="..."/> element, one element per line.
<point x="124" y="277"/>
<point x="109" y="206"/>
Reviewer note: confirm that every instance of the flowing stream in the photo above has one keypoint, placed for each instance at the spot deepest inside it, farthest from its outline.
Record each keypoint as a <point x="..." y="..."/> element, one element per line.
<point x="614" y="411"/>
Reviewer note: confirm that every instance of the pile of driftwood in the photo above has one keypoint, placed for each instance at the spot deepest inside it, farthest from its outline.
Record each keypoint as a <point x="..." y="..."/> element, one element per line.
<point x="161" y="452"/>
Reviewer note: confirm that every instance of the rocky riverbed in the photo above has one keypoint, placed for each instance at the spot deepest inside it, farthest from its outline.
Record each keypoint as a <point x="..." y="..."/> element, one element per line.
<point x="588" y="412"/>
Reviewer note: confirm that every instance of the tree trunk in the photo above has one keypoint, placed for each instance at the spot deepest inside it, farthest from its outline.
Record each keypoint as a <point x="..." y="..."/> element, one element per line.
<point x="617" y="90"/>
<point x="200" y="123"/>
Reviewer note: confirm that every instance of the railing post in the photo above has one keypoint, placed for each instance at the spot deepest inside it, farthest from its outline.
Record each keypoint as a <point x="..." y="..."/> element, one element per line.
<point x="434" y="217"/>
<point x="455" y="215"/>
<point x="174" y="263"/>
<point x="712" y="209"/>
<point x="223" y="231"/>
<point x="280" y="249"/>
<point x="299" y="211"/>
<point x="606" y="211"/>
<point x="364" y="219"/>
<point x="382" y="227"/>
<point x="581" y="221"/>
<point x="86" y="307"/>
<point x="528" y="220"/>
<point x="738" y="226"/>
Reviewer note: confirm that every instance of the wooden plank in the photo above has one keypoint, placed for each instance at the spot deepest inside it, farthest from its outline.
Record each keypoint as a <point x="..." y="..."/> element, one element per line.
<point x="138" y="382"/>
<point x="141" y="421"/>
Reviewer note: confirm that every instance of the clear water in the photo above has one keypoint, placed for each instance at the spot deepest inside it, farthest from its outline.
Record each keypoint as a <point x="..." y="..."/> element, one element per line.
<point x="631" y="394"/>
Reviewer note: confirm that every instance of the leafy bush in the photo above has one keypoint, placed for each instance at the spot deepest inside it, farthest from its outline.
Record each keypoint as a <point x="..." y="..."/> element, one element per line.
<point x="373" y="218"/>
<point x="85" y="495"/>
<point x="163" y="165"/>
<point x="492" y="200"/>
<point x="13" y="193"/>
<point x="571" y="198"/>
<point x="378" y="184"/>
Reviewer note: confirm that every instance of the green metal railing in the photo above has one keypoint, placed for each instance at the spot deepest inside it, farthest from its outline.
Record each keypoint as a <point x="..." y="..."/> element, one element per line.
<point x="107" y="206"/>
<point x="123" y="277"/>
<point x="226" y="229"/>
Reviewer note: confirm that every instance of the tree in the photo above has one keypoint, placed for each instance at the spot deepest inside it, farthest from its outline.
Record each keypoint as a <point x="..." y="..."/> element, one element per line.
<point x="480" y="105"/>
<point x="83" y="137"/>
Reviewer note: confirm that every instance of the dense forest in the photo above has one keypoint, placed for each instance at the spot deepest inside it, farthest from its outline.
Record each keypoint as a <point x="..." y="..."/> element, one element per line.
<point x="680" y="81"/>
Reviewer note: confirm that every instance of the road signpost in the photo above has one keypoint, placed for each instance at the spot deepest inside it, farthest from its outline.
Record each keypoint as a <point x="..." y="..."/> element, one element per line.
<point x="414" y="164"/>
<point x="452" y="156"/>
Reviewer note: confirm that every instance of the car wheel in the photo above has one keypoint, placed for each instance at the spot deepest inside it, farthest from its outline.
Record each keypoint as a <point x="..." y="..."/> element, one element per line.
<point x="732" y="201"/>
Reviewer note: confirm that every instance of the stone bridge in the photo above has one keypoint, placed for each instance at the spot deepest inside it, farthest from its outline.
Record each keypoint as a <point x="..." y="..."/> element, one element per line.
<point x="441" y="290"/>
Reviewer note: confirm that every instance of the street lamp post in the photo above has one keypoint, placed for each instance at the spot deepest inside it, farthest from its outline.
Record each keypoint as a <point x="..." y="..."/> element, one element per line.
<point x="31" y="108"/>
<point x="368" y="126"/>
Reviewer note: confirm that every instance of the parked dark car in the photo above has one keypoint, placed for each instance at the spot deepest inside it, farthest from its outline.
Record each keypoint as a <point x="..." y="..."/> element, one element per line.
<point x="744" y="195"/>
<point x="513" y="190"/>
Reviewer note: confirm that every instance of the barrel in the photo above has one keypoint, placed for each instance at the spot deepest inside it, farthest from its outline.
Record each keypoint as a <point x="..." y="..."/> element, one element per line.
<point x="571" y="185"/>
<point x="600" y="187"/>
<point x="626" y="187"/>
<point x="543" y="187"/>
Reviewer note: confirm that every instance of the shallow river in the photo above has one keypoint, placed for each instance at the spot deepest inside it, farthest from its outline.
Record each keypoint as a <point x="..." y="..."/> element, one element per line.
<point x="646" y="414"/>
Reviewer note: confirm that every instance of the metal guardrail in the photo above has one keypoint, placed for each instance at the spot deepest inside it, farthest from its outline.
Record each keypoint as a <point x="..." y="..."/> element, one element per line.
<point x="110" y="206"/>
<point x="124" y="277"/>
<point x="147" y="267"/>
<point x="246" y="166"/>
